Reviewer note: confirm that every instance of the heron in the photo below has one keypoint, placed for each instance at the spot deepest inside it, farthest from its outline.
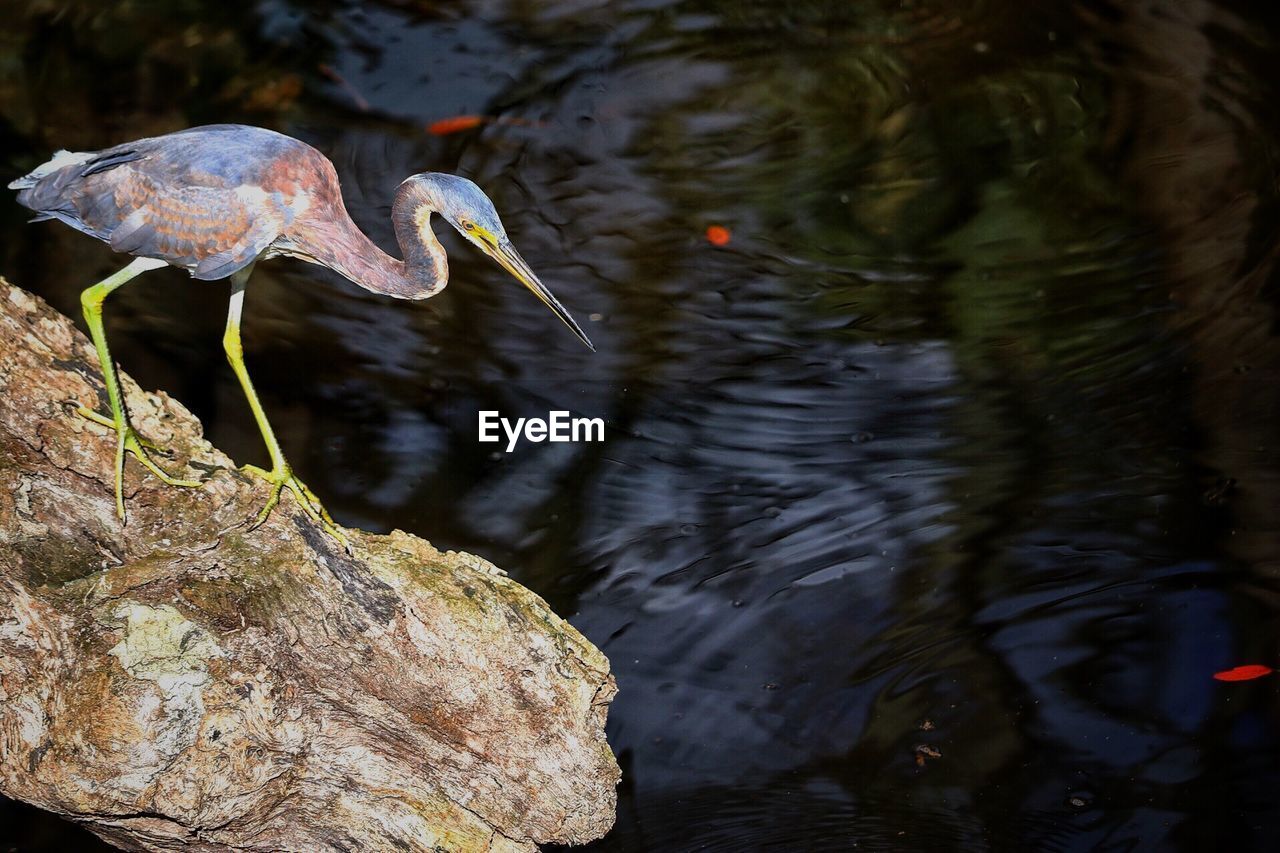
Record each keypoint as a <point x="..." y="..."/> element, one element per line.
<point x="217" y="199"/>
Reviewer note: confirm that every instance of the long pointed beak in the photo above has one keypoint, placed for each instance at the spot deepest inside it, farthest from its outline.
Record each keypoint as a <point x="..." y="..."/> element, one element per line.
<point x="506" y="254"/>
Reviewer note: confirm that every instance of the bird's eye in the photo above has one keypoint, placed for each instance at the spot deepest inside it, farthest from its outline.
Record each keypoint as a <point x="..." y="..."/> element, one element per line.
<point x="470" y="226"/>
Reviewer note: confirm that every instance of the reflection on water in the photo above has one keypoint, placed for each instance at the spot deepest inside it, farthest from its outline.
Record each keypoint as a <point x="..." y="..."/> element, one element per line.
<point x="965" y="441"/>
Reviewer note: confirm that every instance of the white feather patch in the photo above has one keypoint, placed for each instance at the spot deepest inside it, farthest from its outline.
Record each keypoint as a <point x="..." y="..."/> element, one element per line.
<point x="61" y="159"/>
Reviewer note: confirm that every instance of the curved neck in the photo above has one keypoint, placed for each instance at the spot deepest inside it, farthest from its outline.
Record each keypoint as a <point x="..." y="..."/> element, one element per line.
<point x="425" y="264"/>
<point x="339" y="245"/>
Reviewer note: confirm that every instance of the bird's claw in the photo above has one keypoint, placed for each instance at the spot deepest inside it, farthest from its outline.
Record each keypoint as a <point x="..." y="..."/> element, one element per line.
<point x="89" y="414"/>
<point x="282" y="477"/>
<point x="129" y="441"/>
<point x="98" y="418"/>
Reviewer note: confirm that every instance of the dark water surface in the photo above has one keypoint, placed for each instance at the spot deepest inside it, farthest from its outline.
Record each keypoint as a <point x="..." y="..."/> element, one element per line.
<point x="968" y="439"/>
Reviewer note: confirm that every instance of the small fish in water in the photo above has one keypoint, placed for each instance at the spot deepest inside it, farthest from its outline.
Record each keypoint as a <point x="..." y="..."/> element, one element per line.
<point x="457" y="124"/>
<point x="718" y="235"/>
<point x="1248" y="672"/>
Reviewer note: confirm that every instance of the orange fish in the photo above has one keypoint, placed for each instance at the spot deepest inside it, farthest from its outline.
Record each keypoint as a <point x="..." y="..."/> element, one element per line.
<point x="457" y="124"/>
<point x="718" y="235"/>
<point x="1243" y="673"/>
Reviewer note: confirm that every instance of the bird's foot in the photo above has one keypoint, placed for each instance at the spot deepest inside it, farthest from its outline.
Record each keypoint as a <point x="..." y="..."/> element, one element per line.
<point x="129" y="441"/>
<point x="281" y="477"/>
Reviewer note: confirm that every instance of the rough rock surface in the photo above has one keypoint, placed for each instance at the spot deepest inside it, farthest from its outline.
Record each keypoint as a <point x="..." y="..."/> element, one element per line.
<point x="185" y="682"/>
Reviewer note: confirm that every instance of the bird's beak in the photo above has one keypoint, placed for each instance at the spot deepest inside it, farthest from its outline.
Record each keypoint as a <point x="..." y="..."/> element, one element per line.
<point x="504" y="253"/>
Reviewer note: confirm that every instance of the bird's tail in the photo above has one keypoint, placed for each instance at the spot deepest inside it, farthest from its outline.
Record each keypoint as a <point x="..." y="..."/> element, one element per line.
<point x="61" y="159"/>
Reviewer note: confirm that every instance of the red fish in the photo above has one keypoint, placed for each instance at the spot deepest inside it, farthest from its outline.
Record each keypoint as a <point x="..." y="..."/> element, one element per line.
<point x="457" y="124"/>
<point x="718" y="235"/>
<point x="1247" y="672"/>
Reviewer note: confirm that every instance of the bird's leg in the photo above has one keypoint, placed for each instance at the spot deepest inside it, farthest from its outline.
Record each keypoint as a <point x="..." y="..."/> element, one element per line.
<point x="281" y="475"/>
<point x="127" y="439"/>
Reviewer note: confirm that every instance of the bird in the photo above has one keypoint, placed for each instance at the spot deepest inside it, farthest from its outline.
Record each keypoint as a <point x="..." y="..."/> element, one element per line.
<point x="214" y="200"/>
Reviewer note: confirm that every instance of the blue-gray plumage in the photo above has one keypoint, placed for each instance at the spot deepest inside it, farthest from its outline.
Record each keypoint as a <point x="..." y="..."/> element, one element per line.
<point x="215" y="200"/>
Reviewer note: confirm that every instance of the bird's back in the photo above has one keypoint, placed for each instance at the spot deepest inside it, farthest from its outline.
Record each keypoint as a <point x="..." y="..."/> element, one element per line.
<point x="208" y="199"/>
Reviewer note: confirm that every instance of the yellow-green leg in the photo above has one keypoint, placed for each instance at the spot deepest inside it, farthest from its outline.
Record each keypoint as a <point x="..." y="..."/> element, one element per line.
<point x="127" y="439"/>
<point x="281" y="475"/>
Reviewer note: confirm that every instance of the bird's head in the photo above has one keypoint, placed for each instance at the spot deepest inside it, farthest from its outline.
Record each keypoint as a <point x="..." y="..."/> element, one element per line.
<point x="465" y="206"/>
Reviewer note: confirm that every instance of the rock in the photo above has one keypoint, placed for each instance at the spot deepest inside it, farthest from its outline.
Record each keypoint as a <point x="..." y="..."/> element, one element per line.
<point x="183" y="681"/>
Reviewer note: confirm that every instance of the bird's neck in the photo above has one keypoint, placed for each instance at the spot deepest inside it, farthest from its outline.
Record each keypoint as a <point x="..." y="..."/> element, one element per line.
<point x="425" y="265"/>
<point x="424" y="271"/>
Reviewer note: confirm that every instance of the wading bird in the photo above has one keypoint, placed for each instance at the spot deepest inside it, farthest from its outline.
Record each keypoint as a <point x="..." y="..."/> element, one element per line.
<point x="214" y="201"/>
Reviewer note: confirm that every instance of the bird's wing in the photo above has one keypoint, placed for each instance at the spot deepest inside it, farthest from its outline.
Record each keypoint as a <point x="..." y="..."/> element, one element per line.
<point x="212" y="232"/>
<point x="154" y="207"/>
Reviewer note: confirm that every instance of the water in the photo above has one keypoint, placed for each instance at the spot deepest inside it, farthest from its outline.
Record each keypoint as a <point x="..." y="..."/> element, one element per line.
<point x="964" y="444"/>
